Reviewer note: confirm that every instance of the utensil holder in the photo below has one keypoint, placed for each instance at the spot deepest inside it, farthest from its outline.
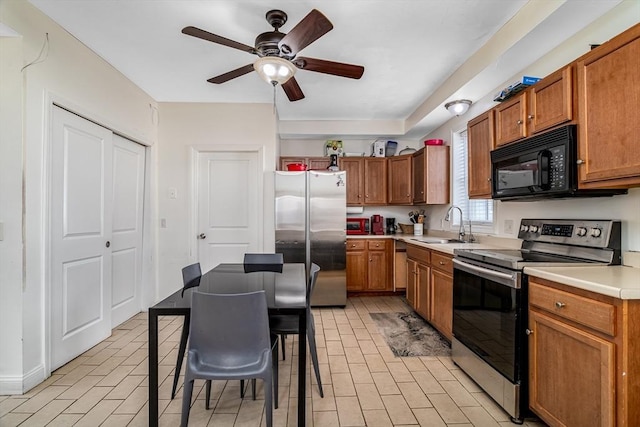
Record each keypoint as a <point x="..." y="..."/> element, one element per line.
<point x="418" y="229"/>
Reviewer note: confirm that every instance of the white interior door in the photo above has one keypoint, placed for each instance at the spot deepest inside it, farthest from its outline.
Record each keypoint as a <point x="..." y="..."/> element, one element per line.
<point x="229" y="206"/>
<point x="126" y="239"/>
<point x="80" y="231"/>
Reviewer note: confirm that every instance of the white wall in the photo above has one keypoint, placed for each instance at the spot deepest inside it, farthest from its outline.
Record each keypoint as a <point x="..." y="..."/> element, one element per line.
<point x="625" y="207"/>
<point x="183" y="126"/>
<point x="76" y="78"/>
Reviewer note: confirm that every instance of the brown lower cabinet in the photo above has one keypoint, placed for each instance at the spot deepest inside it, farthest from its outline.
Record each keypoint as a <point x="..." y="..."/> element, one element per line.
<point x="370" y="265"/>
<point x="430" y="287"/>
<point x="584" y="368"/>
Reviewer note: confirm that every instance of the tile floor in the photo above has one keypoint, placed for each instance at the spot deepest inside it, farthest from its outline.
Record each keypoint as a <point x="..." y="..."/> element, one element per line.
<point x="364" y="383"/>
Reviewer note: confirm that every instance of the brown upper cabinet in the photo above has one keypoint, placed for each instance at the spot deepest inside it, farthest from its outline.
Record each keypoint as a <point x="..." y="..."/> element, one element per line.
<point x="548" y="103"/>
<point x="366" y="180"/>
<point x="431" y="175"/>
<point x="313" y="163"/>
<point x="609" y="118"/>
<point x="480" y="142"/>
<point x="400" y="191"/>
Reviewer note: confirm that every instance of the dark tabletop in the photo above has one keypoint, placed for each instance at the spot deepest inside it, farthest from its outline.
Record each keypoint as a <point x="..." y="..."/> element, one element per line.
<point x="285" y="290"/>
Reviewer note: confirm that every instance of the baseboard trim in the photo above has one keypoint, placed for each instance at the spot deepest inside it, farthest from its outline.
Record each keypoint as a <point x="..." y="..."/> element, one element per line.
<point x="17" y="384"/>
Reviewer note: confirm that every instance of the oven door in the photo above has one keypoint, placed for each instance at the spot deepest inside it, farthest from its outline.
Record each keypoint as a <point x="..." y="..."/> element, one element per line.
<point x="489" y="310"/>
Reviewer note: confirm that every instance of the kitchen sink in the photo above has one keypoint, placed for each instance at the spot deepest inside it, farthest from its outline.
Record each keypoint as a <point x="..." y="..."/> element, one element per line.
<point x="437" y="240"/>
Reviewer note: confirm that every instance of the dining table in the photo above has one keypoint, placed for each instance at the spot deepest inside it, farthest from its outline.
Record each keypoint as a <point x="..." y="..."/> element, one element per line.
<point x="286" y="290"/>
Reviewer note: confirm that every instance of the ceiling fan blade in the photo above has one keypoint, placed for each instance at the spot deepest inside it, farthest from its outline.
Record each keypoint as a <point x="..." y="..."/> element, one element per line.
<point x="292" y="89"/>
<point x="329" y="67"/>
<point x="231" y="74"/>
<point x="205" y="35"/>
<point x="311" y="28"/>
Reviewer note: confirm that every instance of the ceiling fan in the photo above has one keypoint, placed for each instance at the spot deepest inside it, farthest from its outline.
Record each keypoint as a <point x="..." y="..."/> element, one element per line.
<point x="279" y="51"/>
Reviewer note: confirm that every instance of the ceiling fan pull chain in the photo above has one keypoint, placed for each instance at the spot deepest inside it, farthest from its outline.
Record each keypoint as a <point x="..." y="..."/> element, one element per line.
<point x="274" y="83"/>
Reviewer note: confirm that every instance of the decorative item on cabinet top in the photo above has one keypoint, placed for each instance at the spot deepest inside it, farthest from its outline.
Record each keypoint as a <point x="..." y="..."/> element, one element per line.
<point x="333" y="146"/>
<point x="515" y="88"/>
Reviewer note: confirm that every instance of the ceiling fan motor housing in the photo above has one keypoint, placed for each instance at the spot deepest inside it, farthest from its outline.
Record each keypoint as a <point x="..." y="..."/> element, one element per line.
<point x="267" y="43"/>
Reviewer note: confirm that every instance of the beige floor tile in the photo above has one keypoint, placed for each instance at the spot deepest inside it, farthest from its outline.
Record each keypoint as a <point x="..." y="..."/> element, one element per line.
<point x="349" y="412"/>
<point x="467" y="382"/>
<point x="349" y="341"/>
<point x="368" y="347"/>
<point x="338" y="364"/>
<point x="459" y="394"/>
<point x="360" y="373"/>
<point x="75" y="375"/>
<point x="369" y="397"/>
<point x="447" y="408"/>
<point x="331" y="335"/>
<point x="41" y="399"/>
<point x="98" y="413"/>
<point x="414" y="396"/>
<point x="13" y="419"/>
<point x="414" y="364"/>
<point x="117" y="420"/>
<point x="398" y="410"/>
<point x="125" y="387"/>
<point x="334" y="348"/>
<point x="343" y="385"/>
<point x="377" y="418"/>
<point x="8" y="404"/>
<point x="491" y="406"/>
<point x="427" y="383"/>
<point x="479" y="416"/>
<point x="376" y="363"/>
<point x="90" y="399"/>
<point x="428" y="417"/>
<point x="400" y="372"/>
<point x="385" y="383"/>
<point x="439" y="370"/>
<point x="354" y="355"/>
<point x="77" y="390"/>
<point x="134" y="401"/>
<point x="64" y="420"/>
<point x="326" y="403"/>
<point x="361" y="334"/>
<point x="47" y="413"/>
<point x="326" y="419"/>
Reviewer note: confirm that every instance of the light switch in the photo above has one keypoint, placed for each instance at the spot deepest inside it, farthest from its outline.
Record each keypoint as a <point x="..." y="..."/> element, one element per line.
<point x="173" y="193"/>
<point x="163" y="223"/>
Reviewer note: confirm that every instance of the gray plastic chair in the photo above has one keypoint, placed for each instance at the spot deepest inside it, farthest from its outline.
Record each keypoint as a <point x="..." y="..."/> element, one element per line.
<point x="229" y="340"/>
<point x="263" y="262"/>
<point x="285" y="324"/>
<point x="191" y="276"/>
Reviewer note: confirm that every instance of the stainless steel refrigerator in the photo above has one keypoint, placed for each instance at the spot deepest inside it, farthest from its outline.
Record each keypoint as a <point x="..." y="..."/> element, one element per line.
<point x="311" y="211"/>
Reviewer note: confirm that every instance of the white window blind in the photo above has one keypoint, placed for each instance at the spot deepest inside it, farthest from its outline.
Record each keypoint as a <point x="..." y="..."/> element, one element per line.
<point x="480" y="212"/>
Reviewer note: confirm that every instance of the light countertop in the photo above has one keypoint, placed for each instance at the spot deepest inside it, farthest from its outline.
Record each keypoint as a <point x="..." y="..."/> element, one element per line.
<point x="618" y="281"/>
<point x="441" y="247"/>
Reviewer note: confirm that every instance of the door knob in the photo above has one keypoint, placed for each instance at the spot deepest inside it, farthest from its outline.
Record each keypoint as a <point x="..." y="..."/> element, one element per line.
<point x="108" y="243"/>
<point x="202" y="236"/>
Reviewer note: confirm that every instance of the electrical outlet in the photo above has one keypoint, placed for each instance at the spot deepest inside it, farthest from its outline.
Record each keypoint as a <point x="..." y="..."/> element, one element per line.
<point x="173" y="193"/>
<point x="163" y="223"/>
<point x="508" y="226"/>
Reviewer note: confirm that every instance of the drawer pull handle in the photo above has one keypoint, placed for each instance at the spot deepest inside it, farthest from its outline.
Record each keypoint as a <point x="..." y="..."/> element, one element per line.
<point x="560" y="304"/>
<point x="529" y="331"/>
<point x="519" y="122"/>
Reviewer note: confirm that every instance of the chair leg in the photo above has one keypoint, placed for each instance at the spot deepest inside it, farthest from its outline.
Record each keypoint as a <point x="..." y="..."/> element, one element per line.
<point x="275" y="361"/>
<point x="253" y="388"/>
<point x="181" y="350"/>
<point x="207" y="398"/>
<point x="311" y="338"/>
<point x="268" y="397"/>
<point x="186" y="402"/>
<point x="282" y="338"/>
<point x="241" y="389"/>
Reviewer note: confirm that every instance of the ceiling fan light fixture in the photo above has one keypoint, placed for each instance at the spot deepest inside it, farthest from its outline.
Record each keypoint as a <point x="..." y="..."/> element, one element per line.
<point x="274" y="69"/>
<point x="459" y="107"/>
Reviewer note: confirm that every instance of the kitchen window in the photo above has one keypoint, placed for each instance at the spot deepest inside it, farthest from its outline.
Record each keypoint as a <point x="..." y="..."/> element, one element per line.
<point x="480" y="212"/>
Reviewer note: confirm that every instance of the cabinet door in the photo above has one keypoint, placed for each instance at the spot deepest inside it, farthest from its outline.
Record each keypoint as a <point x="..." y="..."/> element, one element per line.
<point x="400" y="176"/>
<point x="419" y="195"/>
<point x="319" y="163"/>
<point x="480" y="142"/>
<point x="375" y="182"/>
<point x="442" y="302"/>
<point x="551" y="101"/>
<point x="377" y="271"/>
<point x="357" y="265"/>
<point x="511" y="124"/>
<point x="412" y="279"/>
<point x="608" y="99"/>
<point x="423" y="296"/>
<point x="571" y="374"/>
<point x="355" y="179"/>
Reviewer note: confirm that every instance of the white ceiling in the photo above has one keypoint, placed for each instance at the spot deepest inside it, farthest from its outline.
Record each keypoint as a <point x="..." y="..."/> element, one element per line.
<point x="417" y="54"/>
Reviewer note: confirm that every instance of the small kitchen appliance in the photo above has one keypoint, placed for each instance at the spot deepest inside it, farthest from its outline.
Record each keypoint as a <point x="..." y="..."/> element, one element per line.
<point x="333" y="166"/>
<point x="377" y="224"/>
<point x="391" y="226"/>
<point x="379" y="148"/>
<point x="490" y="287"/>
<point x="357" y="226"/>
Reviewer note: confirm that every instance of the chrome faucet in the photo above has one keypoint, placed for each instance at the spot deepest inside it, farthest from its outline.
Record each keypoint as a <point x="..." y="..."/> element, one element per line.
<point x="461" y="232"/>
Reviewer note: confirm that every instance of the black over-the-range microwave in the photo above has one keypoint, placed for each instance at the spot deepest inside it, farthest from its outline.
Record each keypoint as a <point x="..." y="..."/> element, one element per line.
<point x="542" y="166"/>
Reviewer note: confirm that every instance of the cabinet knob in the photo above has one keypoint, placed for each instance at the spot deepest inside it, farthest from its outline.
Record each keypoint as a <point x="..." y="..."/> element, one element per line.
<point x="579" y="162"/>
<point x="519" y="122"/>
<point x="529" y="331"/>
<point x="530" y="116"/>
<point x="353" y="246"/>
<point x="441" y="263"/>
<point x="370" y="260"/>
<point x="489" y="179"/>
<point x="560" y="304"/>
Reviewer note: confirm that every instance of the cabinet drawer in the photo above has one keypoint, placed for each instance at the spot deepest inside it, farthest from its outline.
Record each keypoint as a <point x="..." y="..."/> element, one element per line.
<point x="594" y="314"/>
<point x="376" y="245"/>
<point x="417" y="253"/>
<point x="442" y="262"/>
<point x="356" y="244"/>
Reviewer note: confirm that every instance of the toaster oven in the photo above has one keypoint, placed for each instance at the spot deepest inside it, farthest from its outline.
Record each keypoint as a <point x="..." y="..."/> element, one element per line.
<point x="358" y="226"/>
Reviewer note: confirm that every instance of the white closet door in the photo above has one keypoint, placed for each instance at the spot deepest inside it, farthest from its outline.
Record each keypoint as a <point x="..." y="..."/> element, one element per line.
<point x="80" y="233"/>
<point x="126" y="239"/>
<point x="229" y="207"/>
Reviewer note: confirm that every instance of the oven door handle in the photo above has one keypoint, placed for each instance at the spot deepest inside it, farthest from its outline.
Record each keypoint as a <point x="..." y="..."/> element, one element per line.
<point x="506" y="279"/>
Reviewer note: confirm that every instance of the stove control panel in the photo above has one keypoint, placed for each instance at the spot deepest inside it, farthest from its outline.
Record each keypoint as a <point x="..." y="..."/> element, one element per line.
<point x="592" y="233"/>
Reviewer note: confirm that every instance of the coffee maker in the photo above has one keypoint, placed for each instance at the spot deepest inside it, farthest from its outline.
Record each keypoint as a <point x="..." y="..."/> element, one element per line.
<point x="377" y="226"/>
<point x="391" y="226"/>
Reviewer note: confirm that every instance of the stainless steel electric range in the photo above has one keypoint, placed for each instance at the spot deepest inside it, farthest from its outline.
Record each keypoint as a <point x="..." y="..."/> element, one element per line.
<point x="490" y="300"/>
